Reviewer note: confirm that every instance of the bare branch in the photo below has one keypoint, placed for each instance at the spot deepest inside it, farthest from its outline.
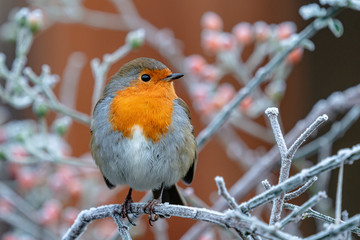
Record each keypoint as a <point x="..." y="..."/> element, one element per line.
<point x="100" y="70"/>
<point x="223" y="192"/>
<point x="71" y="77"/>
<point x="295" y="193"/>
<point x="337" y="130"/>
<point x="344" y="156"/>
<point x="272" y="114"/>
<point x="294" y="147"/>
<point x="301" y="190"/>
<point x="286" y="155"/>
<point x="333" y="105"/>
<point x="336" y="229"/>
<point x="259" y="77"/>
<point x="300" y="210"/>
<point x="339" y="194"/>
<point x="312" y="213"/>
<point x="122" y="228"/>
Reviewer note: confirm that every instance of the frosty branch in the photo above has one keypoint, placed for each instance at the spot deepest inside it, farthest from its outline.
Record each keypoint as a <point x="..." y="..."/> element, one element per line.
<point x="230" y="218"/>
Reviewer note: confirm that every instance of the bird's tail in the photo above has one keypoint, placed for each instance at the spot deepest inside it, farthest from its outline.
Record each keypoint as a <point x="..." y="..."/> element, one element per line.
<point x="170" y="195"/>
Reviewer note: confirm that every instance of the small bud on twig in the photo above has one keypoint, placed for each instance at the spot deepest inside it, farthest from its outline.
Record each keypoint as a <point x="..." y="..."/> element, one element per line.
<point x="135" y="39"/>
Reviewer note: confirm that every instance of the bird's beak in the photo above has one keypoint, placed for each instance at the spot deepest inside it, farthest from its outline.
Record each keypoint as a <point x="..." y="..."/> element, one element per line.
<point x="173" y="76"/>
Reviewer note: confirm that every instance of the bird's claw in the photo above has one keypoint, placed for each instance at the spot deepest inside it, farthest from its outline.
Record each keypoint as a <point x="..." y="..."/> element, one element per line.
<point x="125" y="209"/>
<point x="149" y="209"/>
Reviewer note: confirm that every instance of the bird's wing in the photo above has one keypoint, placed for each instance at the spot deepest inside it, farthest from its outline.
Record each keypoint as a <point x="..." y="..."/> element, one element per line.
<point x="190" y="173"/>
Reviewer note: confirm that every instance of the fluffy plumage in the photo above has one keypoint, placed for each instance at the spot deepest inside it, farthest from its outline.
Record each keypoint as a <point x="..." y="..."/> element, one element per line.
<point x="141" y="131"/>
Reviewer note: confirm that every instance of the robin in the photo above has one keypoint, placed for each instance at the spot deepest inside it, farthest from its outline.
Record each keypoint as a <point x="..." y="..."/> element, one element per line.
<point x="142" y="136"/>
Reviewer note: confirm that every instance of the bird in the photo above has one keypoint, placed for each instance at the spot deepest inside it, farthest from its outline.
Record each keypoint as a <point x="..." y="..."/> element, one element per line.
<point x="142" y="135"/>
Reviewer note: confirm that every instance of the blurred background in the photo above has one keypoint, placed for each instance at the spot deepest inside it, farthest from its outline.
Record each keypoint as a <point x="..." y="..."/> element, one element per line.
<point x="333" y="66"/>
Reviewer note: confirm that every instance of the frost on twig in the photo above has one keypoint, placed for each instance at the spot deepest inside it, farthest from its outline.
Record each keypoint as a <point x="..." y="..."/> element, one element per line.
<point x="260" y="76"/>
<point x="231" y="217"/>
<point x="300" y="210"/>
<point x="334" y="105"/>
<point x="286" y="154"/>
<point x="36" y="90"/>
<point x="122" y="228"/>
<point x="337" y="130"/>
<point x="223" y="192"/>
<point x="339" y="194"/>
<point x="300" y="191"/>
<point x="295" y="193"/>
<point x="346" y="156"/>
<point x="71" y="77"/>
<point x="337" y="229"/>
<point x="134" y="40"/>
<point x="314" y="214"/>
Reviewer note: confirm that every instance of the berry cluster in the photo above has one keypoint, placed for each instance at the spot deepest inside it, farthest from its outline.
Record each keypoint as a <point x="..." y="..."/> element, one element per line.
<point x="213" y="88"/>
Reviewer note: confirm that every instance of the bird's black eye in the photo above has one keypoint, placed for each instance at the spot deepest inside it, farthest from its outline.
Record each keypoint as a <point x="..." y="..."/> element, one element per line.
<point x="145" y="77"/>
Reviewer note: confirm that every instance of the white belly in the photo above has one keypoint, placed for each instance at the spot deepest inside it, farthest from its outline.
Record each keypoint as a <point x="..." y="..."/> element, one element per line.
<point x="143" y="165"/>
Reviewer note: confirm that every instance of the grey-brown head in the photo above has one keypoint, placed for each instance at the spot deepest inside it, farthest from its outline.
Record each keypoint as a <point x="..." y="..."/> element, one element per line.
<point x="139" y="69"/>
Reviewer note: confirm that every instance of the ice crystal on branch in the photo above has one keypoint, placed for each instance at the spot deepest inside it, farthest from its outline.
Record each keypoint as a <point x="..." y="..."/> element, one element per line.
<point x="45" y="189"/>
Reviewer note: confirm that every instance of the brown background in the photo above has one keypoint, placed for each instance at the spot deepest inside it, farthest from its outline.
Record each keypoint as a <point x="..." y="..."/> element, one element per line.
<point x="335" y="65"/>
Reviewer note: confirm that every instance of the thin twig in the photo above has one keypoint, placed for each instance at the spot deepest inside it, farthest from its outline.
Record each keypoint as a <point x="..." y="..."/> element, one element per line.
<point x="223" y="192"/>
<point x="122" y="228"/>
<point x="343" y="156"/>
<point x="287" y="154"/>
<point x="71" y="77"/>
<point x="272" y="114"/>
<point x="315" y="125"/>
<point x="336" y="131"/>
<point x="229" y="219"/>
<point x="53" y="103"/>
<point x="333" y="105"/>
<point x="295" y="193"/>
<point x="266" y="184"/>
<point x="336" y="229"/>
<point x="278" y="203"/>
<point x="300" y="191"/>
<point x="339" y="194"/>
<point x="300" y="210"/>
<point x="315" y="214"/>
<point x="258" y="226"/>
<point x="259" y="77"/>
<point x="100" y="70"/>
<point x="29" y="220"/>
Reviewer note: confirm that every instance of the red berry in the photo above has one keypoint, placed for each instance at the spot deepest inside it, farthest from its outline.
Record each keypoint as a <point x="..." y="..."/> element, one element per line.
<point x="210" y="73"/>
<point x="243" y="33"/>
<point x="6" y="206"/>
<point x="211" y="40"/>
<point x="26" y="178"/>
<point x="18" y="153"/>
<point x="285" y="29"/>
<point x="227" y="41"/>
<point x="195" y="63"/>
<point x="211" y="21"/>
<point x="246" y="103"/>
<point x="262" y="31"/>
<point x="10" y="236"/>
<point x="224" y="94"/>
<point x="51" y="212"/>
<point x="295" y="56"/>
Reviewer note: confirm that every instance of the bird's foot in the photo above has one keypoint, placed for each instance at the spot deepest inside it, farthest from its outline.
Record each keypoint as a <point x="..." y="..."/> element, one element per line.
<point x="149" y="209"/>
<point x="124" y="210"/>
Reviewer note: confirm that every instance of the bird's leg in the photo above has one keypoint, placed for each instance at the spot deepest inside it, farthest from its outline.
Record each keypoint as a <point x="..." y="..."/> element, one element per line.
<point x="125" y="207"/>
<point x="151" y="204"/>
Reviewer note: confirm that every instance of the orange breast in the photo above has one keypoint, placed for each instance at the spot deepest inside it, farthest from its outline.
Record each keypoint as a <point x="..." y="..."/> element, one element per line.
<point x="146" y="105"/>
